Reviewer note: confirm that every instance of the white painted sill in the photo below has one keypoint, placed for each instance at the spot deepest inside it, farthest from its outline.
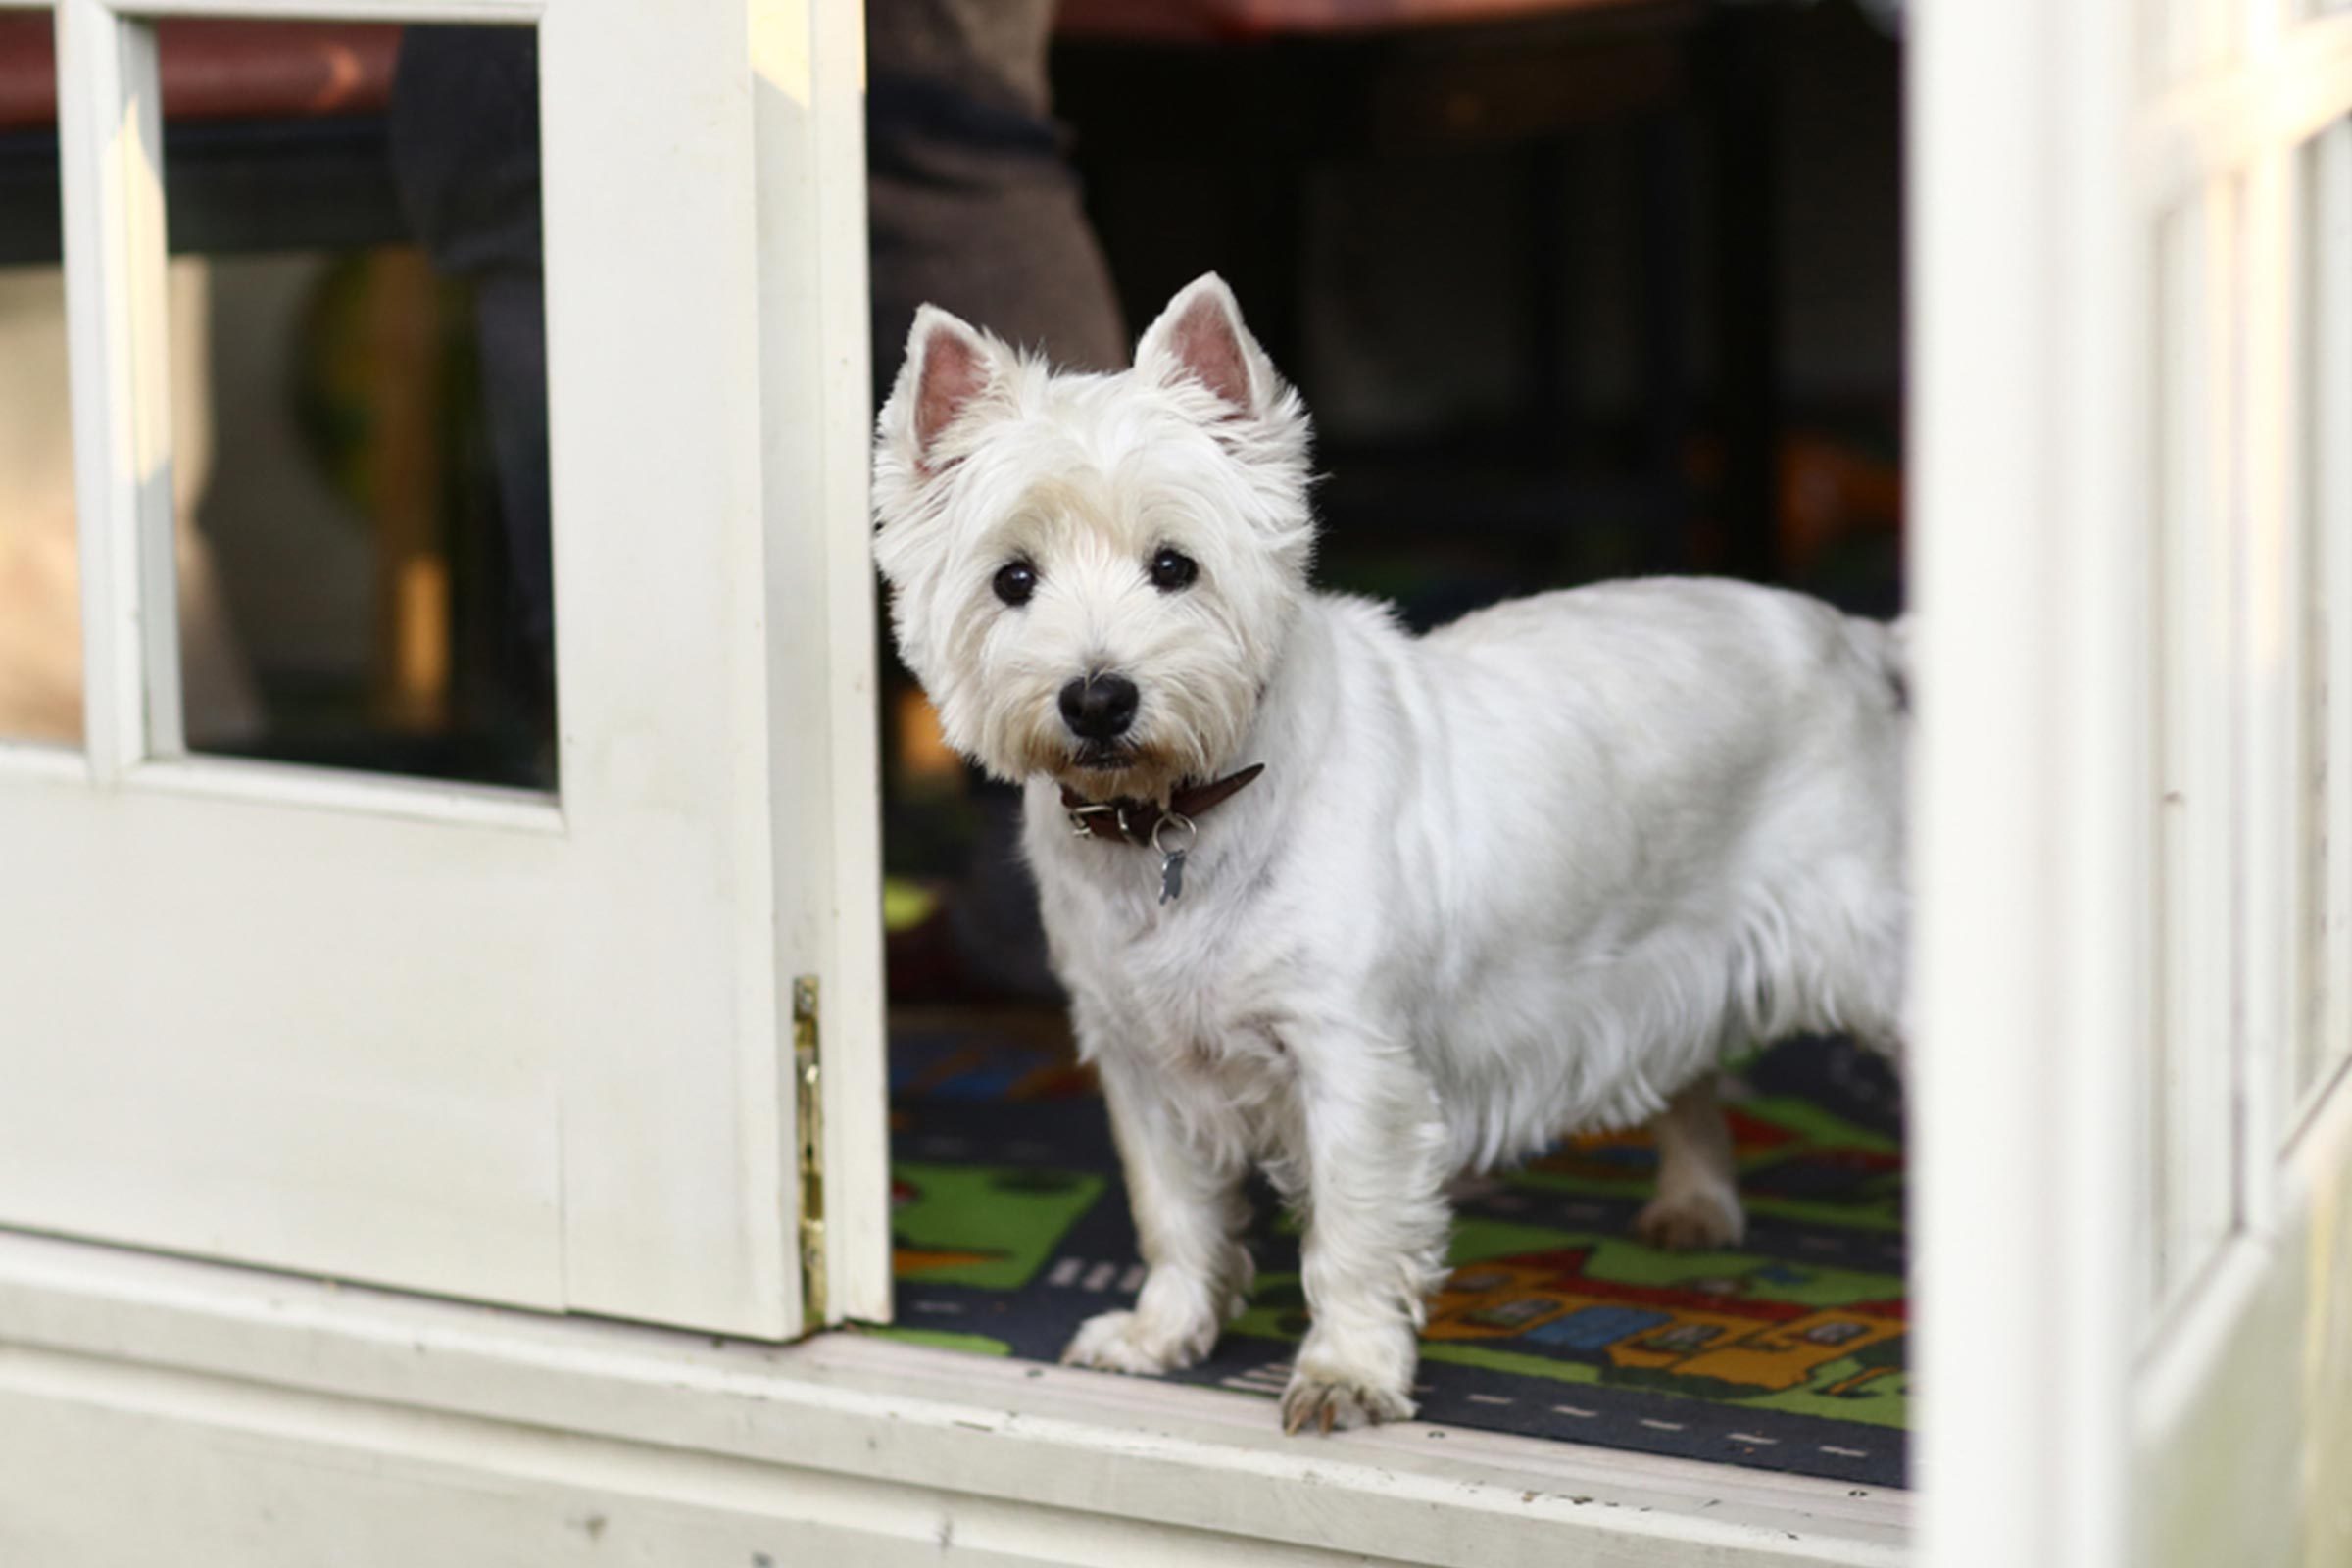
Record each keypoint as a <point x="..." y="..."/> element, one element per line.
<point x="1109" y="1456"/>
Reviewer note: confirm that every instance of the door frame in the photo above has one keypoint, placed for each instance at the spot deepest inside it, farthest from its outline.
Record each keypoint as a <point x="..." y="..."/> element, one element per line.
<point x="2021" y="350"/>
<point x="2110" y="529"/>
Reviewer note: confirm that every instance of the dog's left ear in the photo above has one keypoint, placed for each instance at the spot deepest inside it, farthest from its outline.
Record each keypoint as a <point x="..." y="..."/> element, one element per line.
<point x="1201" y="335"/>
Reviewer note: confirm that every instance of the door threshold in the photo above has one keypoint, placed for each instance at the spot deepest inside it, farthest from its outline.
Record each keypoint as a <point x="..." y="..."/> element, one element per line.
<point x="1100" y="1465"/>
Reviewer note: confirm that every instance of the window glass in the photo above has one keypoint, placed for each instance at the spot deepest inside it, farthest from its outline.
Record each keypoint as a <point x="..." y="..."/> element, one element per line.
<point x="366" y="562"/>
<point x="2186" y="38"/>
<point x="40" y="595"/>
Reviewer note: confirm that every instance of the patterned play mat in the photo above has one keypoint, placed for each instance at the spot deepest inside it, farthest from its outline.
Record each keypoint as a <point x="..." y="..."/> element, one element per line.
<point x="1787" y="1354"/>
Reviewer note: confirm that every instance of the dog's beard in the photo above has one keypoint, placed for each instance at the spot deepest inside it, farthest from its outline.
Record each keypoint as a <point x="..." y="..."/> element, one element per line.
<point x="1122" y="769"/>
<point x="1146" y="765"/>
<point x="1105" y="757"/>
<point x="1119" y="772"/>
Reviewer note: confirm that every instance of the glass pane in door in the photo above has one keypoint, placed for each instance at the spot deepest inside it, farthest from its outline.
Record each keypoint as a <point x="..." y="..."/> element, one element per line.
<point x="41" y="593"/>
<point x="365" y="519"/>
<point x="2188" y="39"/>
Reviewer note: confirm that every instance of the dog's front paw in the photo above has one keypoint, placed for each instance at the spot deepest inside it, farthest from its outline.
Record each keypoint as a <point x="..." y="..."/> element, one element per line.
<point x="1692" y="1221"/>
<point x="1126" y="1341"/>
<point x="1334" y="1404"/>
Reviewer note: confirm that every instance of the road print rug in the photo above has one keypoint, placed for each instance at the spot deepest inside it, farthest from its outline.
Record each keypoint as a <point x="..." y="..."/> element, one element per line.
<point x="1786" y="1353"/>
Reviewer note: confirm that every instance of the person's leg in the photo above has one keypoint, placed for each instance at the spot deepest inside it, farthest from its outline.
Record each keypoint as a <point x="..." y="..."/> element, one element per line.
<point x="973" y="206"/>
<point x="465" y="132"/>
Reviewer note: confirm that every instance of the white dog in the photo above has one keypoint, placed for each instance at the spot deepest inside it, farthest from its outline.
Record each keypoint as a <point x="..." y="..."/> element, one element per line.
<point x="1535" y="872"/>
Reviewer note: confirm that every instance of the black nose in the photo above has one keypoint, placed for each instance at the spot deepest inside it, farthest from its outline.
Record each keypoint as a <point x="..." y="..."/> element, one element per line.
<point x="1098" y="706"/>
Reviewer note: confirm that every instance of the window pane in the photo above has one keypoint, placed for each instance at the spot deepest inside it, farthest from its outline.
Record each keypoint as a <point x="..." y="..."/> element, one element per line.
<point x="2325" y="1025"/>
<point x="363" y="200"/>
<point x="2192" y="1089"/>
<point x="40" y="605"/>
<point x="2187" y="37"/>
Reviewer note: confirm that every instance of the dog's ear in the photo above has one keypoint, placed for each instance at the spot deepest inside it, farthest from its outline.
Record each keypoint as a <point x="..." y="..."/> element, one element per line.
<point x="946" y="366"/>
<point x="1201" y="335"/>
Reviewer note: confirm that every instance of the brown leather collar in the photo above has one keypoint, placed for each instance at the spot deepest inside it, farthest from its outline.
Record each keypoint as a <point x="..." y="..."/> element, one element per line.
<point x="1134" y="821"/>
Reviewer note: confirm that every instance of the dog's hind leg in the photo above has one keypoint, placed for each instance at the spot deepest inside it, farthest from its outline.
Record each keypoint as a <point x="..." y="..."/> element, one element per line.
<point x="1697" y="1200"/>
<point x="1190" y="1212"/>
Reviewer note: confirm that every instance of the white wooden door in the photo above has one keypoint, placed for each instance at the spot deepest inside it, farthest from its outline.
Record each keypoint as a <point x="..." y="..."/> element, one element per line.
<point x="529" y="1048"/>
<point x="2133" y="243"/>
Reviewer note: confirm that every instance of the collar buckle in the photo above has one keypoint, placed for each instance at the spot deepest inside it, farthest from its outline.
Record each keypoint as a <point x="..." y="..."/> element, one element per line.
<point x="1085" y="814"/>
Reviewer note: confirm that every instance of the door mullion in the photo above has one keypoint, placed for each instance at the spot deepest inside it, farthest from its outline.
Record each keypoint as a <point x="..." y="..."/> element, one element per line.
<point x="2270" y="645"/>
<point x="110" y="128"/>
<point x="2032" y="830"/>
<point x="2324" y="470"/>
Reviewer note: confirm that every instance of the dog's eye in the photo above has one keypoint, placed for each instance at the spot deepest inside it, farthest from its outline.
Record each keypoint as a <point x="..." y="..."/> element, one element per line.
<point x="1172" y="568"/>
<point x="1015" y="581"/>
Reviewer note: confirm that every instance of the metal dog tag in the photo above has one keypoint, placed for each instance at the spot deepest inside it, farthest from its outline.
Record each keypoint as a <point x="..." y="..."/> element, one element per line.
<point x="1171" y="858"/>
<point x="1171" y="876"/>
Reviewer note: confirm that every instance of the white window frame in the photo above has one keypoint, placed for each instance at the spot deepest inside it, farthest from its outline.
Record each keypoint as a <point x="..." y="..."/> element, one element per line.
<point x="2186" y="1412"/>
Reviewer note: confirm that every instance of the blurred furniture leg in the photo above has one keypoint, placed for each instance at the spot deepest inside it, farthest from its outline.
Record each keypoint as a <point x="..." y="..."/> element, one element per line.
<point x="412" y="577"/>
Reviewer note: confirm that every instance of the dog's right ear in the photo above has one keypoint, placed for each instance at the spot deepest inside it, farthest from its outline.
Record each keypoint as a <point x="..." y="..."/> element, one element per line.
<point x="1200" y="337"/>
<point x="947" y="365"/>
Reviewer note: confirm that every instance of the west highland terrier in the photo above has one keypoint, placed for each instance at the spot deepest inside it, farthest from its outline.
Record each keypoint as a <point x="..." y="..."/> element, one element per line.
<point x="1362" y="909"/>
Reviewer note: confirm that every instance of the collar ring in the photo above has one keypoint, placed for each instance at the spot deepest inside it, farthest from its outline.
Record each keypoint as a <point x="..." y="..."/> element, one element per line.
<point x="1183" y="824"/>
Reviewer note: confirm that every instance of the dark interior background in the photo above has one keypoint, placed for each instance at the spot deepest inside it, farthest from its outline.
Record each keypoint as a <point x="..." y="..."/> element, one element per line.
<point x="1617" y="291"/>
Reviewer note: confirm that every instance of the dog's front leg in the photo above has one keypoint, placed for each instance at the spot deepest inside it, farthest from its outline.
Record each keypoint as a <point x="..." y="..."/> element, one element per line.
<point x="1374" y="1159"/>
<point x="1190" y="1212"/>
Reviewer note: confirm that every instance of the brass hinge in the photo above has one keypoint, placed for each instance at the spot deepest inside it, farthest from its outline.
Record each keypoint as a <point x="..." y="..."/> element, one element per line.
<point x="807" y="1066"/>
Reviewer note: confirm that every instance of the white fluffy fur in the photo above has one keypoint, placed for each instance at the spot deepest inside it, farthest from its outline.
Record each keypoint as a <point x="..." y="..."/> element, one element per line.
<point x="1535" y="872"/>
